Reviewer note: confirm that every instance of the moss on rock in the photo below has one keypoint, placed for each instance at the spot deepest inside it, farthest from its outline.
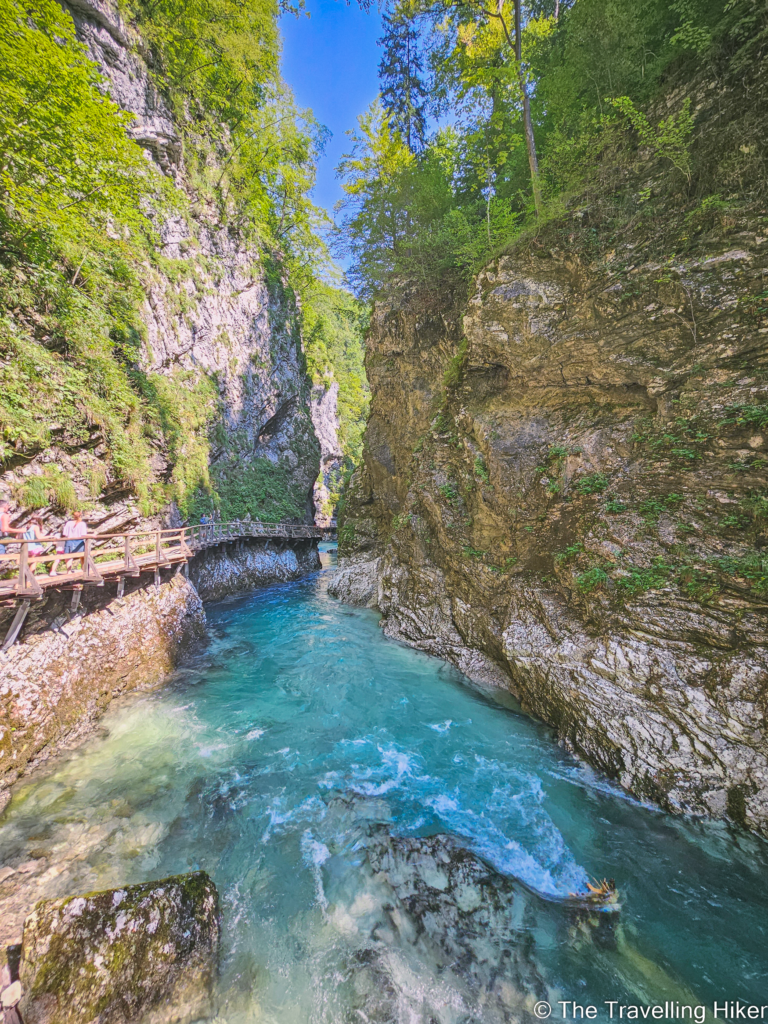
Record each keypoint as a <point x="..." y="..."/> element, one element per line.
<point x="142" y="952"/>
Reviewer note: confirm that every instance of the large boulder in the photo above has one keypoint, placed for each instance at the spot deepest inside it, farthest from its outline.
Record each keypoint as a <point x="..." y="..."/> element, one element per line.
<point x="141" y="953"/>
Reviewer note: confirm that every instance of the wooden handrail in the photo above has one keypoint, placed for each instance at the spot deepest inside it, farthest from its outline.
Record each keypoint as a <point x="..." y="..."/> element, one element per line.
<point x="133" y="551"/>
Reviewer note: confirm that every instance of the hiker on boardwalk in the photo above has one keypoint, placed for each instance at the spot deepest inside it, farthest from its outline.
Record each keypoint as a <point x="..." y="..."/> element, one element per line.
<point x="74" y="532"/>
<point x="33" y="532"/>
<point x="6" y="530"/>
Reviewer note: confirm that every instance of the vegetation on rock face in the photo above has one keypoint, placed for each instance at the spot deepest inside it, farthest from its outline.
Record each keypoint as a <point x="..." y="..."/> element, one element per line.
<point x="567" y="436"/>
<point x="73" y="236"/>
<point x="593" y="70"/>
<point x="119" y="954"/>
<point x="81" y="205"/>
<point x="334" y="327"/>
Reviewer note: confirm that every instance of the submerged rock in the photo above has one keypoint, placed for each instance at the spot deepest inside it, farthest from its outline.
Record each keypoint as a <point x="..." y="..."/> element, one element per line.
<point x="491" y="935"/>
<point x="143" y="952"/>
<point x="463" y="913"/>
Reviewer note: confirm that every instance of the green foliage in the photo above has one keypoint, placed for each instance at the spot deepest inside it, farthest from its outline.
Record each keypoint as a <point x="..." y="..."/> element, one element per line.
<point x="652" y="578"/>
<point x="248" y="147"/>
<point x="183" y="406"/>
<point x="752" y="568"/>
<point x="670" y="139"/>
<point x="505" y="566"/>
<point x="682" y="443"/>
<point x="470" y="552"/>
<point x="592" y="483"/>
<point x="481" y="470"/>
<point x="260" y="489"/>
<point x="436" y="213"/>
<point x="78" y="201"/>
<point x="571" y="552"/>
<point x="593" y="579"/>
<point x="690" y="34"/>
<point x="450" y="494"/>
<point x="401" y="69"/>
<point x="346" y="535"/>
<point x="651" y="508"/>
<point x="698" y="584"/>
<point x="401" y="520"/>
<point x="615" y="506"/>
<point x="66" y="163"/>
<point x="755" y="506"/>
<point x="751" y="416"/>
<point x="455" y="371"/>
<point x="52" y="487"/>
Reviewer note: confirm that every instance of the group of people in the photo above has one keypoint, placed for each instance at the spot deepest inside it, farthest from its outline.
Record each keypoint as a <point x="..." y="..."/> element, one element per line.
<point x="70" y="542"/>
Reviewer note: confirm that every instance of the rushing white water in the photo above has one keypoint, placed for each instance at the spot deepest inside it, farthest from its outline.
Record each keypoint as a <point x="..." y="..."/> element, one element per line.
<point x="300" y="734"/>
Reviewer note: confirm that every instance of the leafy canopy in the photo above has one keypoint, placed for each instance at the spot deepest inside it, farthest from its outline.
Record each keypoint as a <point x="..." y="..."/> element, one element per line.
<point x="66" y="159"/>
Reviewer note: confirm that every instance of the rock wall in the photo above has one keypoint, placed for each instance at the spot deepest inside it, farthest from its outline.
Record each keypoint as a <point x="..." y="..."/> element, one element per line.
<point x="225" y="313"/>
<point x="325" y="418"/>
<point x="67" y="666"/>
<point x="243" y="565"/>
<point x="55" y="684"/>
<point x="564" y="493"/>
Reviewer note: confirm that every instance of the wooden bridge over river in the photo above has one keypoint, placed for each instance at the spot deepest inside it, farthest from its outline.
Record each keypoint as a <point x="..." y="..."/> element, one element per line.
<point x="114" y="556"/>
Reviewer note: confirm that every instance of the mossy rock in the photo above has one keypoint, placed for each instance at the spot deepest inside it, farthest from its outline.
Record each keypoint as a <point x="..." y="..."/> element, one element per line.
<point x="145" y="952"/>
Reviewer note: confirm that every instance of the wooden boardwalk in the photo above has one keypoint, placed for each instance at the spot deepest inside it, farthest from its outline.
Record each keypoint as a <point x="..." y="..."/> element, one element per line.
<point x="114" y="556"/>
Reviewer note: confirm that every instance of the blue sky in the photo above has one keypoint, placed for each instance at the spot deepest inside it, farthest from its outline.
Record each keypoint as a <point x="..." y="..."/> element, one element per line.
<point x="330" y="60"/>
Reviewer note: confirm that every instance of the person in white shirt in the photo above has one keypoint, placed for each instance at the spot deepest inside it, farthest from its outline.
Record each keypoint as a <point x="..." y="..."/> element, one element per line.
<point x="74" y="531"/>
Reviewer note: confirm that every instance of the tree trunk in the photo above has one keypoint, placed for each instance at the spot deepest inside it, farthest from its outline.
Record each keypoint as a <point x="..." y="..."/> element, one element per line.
<point x="530" y="142"/>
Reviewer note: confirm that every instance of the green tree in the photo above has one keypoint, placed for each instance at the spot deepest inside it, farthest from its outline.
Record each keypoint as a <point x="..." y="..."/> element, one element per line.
<point x="374" y="224"/>
<point x="401" y="73"/>
<point x="66" y="162"/>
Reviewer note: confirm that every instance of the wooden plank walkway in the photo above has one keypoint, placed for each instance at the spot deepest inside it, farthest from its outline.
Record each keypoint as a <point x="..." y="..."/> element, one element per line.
<point x="113" y="556"/>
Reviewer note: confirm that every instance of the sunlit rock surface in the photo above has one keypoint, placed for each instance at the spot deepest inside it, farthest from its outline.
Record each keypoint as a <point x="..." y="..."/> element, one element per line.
<point x="561" y="495"/>
<point x="143" y="952"/>
<point x="241" y="566"/>
<point x="56" y="683"/>
<point x="325" y="419"/>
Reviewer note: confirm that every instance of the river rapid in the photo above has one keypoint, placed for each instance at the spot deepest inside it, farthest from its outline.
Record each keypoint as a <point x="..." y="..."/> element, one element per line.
<point x="390" y="843"/>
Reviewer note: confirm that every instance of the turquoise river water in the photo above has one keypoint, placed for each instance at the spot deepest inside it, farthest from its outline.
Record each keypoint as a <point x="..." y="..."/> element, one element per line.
<point x="299" y="733"/>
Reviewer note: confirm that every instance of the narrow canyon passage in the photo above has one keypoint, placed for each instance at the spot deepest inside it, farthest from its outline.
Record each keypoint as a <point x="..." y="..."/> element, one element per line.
<point x="300" y="757"/>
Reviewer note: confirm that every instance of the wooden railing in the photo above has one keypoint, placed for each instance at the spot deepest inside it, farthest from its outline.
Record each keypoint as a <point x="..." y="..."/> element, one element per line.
<point x="117" y="555"/>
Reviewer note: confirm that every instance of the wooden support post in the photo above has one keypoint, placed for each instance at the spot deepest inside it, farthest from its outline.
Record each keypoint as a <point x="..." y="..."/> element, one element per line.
<point x="120" y="586"/>
<point x="157" y="578"/>
<point x="160" y="556"/>
<point x="75" y="604"/>
<point x="18" y="622"/>
<point x="186" y="569"/>
<point x="27" y="585"/>
<point x="130" y="562"/>
<point x="90" y="573"/>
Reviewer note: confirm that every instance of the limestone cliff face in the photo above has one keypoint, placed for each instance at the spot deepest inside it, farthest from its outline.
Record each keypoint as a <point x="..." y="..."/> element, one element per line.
<point x="564" y="494"/>
<point x="325" y="418"/>
<point x="241" y="566"/>
<point x="224" y="314"/>
<point x="59" y="680"/>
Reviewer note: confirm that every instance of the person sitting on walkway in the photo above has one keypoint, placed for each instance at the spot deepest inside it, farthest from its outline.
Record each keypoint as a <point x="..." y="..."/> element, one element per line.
<point x="6" y="530"/>
<point x="74" y="531"/>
